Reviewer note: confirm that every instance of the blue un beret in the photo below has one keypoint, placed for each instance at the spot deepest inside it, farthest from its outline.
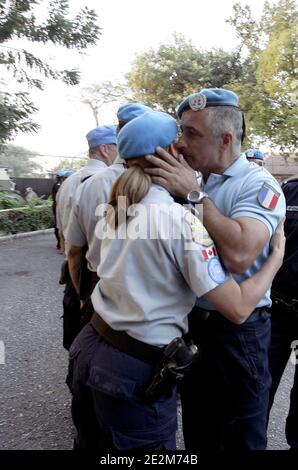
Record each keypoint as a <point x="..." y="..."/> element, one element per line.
<point x="130" y="111"/>
<point x="101" y="135"/>
<point x="206" y="98"/>
<point x="254" y="153"/>
<point x="68" y="173"/>
<point x="143" y="134"/>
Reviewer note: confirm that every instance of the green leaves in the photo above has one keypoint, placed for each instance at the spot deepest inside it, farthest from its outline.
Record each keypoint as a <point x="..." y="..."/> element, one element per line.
<point x="17" y="20"/>
<point x="162" y="78"/>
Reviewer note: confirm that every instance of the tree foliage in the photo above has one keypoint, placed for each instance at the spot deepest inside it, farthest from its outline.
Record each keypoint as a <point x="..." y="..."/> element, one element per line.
<point x="162" y="78"/>
<point x="271" y="46"/>
<point x="19" y="161"/>
<point x="18" y="21"/>
<point x="99" y="94"/>
<point x="262" y="70"/>
<point x="72" y="164"/>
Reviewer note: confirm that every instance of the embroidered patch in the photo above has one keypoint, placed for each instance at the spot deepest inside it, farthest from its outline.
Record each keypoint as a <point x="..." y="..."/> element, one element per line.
<point x="268" y="196"/>
<point x="197" y="102"/>
<point x="209" y="252"/>
<point x="198" y="232"/>
<point x="216" y="271"/>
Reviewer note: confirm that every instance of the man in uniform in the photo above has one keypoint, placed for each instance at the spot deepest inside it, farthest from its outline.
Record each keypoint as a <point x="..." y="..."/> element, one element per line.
<point x="225" y="398"/>
<point x="83" y="218"/>
<point x="102" y="153"/>
<point x="255" y="156"/>
<point x="284" y="312"/>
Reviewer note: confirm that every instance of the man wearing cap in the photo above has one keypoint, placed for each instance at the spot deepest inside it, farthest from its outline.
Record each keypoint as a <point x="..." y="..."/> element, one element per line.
<point x="102" y="153"/>
<point x="225" y="398"/>
<point x="83" y="218"/>
<point x="255" y="156"/>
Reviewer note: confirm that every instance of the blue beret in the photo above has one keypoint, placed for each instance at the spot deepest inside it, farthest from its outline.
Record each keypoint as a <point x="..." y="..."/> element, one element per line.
<point x="142" y="135"/>
<point x="60" y="173"/>
<point x="101" y="135"/>
<point x="68" y="173"/>
<point x="206" y="98"/>
<point x="130" y="111"/>
<point x="254" y="153"/>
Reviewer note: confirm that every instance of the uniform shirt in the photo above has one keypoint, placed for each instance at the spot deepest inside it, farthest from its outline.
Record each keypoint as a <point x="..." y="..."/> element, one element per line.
<point x="148" y="285"/>
<point x="237" y="193"/>
<point x="82" y="221"/>
<point x="68" y="188"/>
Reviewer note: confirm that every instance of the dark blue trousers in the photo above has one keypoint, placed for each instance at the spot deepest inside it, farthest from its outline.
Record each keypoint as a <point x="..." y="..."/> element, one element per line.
<point x="284" y="332"/>
<point x="225" y="395"/>
<point x="108" y="408"/>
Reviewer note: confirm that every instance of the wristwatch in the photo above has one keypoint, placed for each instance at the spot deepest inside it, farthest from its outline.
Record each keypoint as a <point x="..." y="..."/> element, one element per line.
<point x="196" y="197"/>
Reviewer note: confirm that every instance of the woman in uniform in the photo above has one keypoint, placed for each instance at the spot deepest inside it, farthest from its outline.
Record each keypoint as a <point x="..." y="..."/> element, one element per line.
<point x="156" y="258"/>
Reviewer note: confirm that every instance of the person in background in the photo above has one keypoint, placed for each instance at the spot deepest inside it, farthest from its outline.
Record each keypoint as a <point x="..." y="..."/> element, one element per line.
<point x="81" y="236"/>
<point x="255" y="156"/>
<point x="31" y="196"/>
<point x="60" y="175"/>
<point x="102" y="153"/>
<point x="284" y="313"/>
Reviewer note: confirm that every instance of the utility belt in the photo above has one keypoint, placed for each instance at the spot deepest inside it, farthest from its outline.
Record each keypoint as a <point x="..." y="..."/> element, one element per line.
<point x="284" y="300"/>
<point x="203" y="314"/>
<point x="171" y="362"/>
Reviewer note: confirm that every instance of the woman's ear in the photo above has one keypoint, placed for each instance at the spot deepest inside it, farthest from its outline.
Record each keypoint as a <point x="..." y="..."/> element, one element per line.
<point x="173" y="151"/>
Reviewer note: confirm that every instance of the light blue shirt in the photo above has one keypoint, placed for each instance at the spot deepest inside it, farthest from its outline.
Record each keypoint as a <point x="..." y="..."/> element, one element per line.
<point x="235" y="193"/>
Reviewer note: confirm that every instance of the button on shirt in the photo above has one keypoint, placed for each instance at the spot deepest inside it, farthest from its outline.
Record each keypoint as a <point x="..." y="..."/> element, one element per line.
<point x="149" y="285"/>
<point x="67" y="191"/>
<point x="83" y="219"/>
<point x="235" y="194"/>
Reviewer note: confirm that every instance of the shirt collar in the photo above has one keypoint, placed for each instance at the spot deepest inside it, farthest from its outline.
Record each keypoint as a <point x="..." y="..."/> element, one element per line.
<point x="240" y="164"/>
<point x="93" y="163"/>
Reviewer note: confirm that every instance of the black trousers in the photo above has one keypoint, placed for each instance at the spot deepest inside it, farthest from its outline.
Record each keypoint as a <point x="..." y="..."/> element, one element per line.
<point x="71" y="314"/>
<point x="225" y="395"/>
<point x="284" y="332"/>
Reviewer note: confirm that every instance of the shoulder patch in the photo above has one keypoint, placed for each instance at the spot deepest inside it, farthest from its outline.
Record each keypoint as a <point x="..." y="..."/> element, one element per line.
<point x="215" y="271"/>
<point x="198" y="231"/>
<point x="268" y="196"/>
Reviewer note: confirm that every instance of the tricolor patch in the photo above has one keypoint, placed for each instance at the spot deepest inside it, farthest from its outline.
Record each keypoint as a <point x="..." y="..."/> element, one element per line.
<point x="268" y="196"/>
<point x="209" y="252"/>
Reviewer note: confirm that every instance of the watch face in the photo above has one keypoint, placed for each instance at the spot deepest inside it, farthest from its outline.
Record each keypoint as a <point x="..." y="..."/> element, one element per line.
<point x="194" y="196"/>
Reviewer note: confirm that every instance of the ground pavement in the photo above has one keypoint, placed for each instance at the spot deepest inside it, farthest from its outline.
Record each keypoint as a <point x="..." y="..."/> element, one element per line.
<point x="34" y="400"/>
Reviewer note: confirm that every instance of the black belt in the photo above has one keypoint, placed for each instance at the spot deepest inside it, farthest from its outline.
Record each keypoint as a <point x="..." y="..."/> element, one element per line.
<point x="206" y="314"/>
<point x="125" y="343"/>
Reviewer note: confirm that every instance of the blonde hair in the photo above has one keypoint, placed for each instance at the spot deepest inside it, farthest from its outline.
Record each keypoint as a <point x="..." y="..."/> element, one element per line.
<point x="132" y="185"/>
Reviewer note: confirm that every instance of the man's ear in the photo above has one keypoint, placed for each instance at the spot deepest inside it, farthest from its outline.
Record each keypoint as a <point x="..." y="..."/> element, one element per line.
<point x="227" y="138"/>
<point x="173" y="151"/>
<point x="104" y="150"/>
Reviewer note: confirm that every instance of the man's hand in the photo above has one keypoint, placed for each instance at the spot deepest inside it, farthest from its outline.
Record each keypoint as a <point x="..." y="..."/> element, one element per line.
<point x="278" y="240"/>
<point x="173" y="174"/>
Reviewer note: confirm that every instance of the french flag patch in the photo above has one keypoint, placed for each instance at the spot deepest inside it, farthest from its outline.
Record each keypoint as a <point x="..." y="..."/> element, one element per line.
<point x="268" y="196"/>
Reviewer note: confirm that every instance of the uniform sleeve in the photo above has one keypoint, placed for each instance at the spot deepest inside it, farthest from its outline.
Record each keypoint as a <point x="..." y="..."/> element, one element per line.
<point x="196" y="257"/>
<point x="261" y="198"/>
<point x="75" y="234"/>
